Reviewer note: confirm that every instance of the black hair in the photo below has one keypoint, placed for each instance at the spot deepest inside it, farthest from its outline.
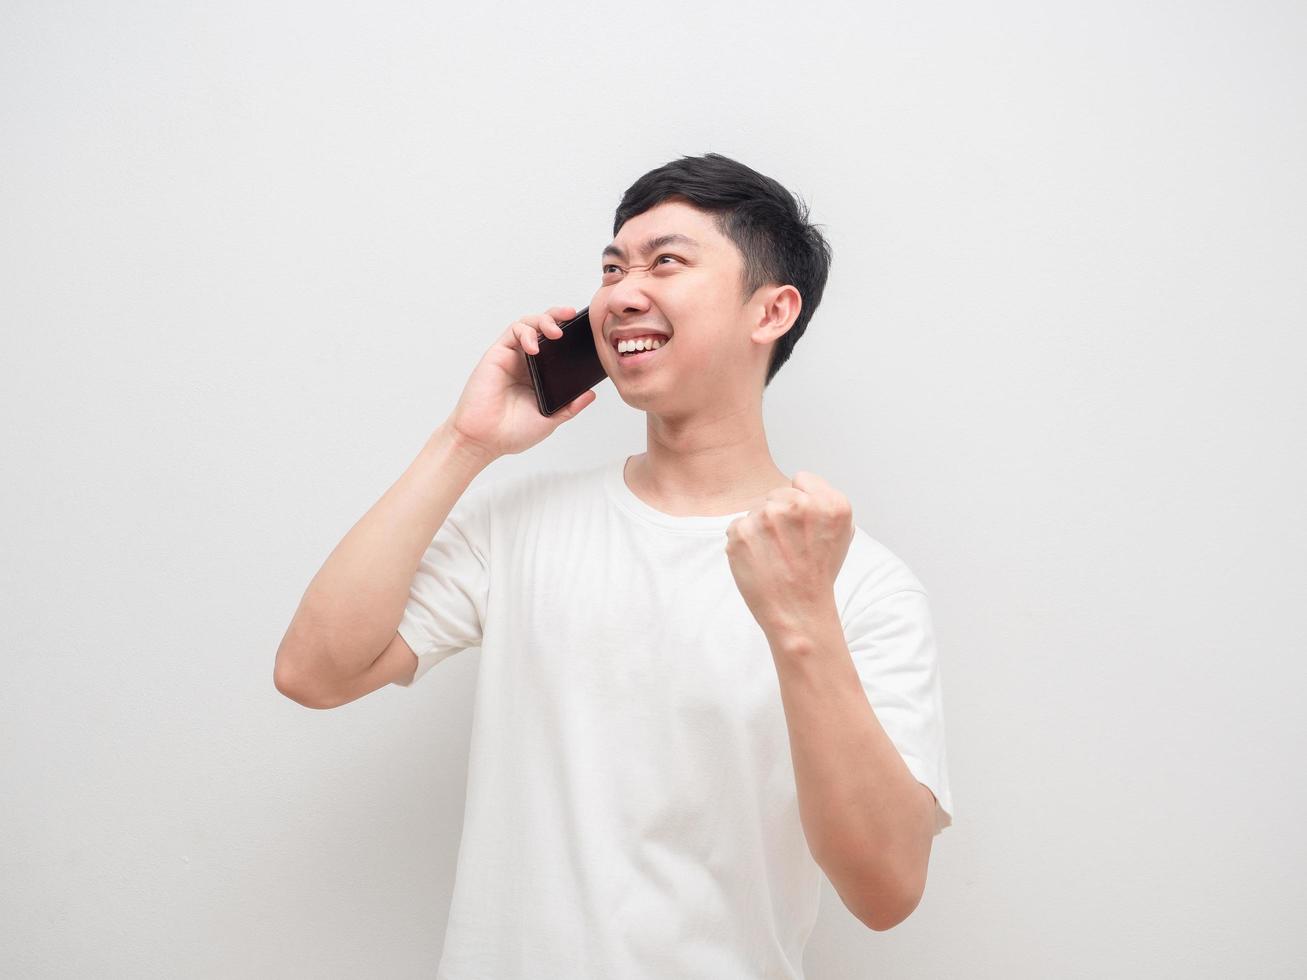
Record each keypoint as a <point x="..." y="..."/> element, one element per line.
<point x="767" y="223"/>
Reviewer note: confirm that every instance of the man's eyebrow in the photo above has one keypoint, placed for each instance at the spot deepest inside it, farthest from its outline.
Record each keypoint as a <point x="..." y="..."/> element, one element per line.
<point x="651" y="244"/>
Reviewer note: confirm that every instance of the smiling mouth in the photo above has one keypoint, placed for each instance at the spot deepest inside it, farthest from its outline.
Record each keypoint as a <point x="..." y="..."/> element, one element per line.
<point x="639" y="357"/>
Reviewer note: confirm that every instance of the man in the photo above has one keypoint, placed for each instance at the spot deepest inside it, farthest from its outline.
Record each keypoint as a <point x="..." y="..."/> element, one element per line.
<point x="701" y="685"/>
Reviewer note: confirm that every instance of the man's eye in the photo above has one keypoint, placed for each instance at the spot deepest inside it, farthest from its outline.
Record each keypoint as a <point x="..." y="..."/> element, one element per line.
<point x="665" y="255"/>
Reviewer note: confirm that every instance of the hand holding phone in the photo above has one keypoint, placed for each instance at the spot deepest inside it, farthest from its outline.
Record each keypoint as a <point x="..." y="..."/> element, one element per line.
<point x="500" y="412"/>
<point x="566" y="367"/>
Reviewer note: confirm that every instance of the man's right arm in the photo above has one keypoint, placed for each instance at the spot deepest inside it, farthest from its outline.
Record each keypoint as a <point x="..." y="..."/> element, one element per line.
<point x="342" y="642"/>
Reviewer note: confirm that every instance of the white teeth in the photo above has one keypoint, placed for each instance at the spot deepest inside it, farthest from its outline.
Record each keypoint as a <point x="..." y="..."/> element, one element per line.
<point x="640" y="343"/>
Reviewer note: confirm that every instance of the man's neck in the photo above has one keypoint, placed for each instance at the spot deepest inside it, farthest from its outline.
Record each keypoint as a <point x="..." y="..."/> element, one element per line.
<point x="706" y="481"/>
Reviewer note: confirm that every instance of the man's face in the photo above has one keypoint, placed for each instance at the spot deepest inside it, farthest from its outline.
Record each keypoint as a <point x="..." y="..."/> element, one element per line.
<point x="689" y="291"/>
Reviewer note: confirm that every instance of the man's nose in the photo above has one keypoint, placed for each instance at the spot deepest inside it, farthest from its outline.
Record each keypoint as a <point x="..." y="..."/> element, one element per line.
<point x="629" y="295"/>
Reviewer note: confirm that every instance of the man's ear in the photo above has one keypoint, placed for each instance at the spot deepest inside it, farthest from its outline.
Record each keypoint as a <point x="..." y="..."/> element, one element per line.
<point x="780" y="306"/>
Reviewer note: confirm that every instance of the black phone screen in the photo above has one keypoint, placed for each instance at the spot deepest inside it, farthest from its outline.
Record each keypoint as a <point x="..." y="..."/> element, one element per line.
<point x="567" y="366"/>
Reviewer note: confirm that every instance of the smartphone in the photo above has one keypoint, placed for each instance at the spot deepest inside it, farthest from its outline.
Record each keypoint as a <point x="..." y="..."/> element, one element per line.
<point x="566" y="366"/>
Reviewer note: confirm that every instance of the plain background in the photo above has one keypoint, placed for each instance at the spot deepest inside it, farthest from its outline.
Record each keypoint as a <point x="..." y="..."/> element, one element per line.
<point x="251" y="252"/>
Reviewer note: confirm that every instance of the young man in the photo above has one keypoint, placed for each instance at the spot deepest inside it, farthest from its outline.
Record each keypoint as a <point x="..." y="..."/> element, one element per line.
<point x="701" y="685"/>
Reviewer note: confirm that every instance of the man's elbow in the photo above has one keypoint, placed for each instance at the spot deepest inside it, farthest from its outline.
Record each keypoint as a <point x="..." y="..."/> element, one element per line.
<point x="894" y="904"/>
<point x="887" y="915"/>
<point x="908" y="876"/>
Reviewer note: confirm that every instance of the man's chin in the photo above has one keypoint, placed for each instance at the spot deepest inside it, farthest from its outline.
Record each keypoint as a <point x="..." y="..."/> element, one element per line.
<point x="646" y="398"/>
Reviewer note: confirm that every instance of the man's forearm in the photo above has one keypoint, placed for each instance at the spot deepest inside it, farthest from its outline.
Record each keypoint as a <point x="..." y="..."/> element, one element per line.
<point x="864" y="814"/>
<point x="350" y="609"/>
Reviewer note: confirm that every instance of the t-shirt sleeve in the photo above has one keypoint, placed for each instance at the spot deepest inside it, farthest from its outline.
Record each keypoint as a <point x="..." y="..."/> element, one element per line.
<point x="448" y="596"/>
<point x="892" y="641"/>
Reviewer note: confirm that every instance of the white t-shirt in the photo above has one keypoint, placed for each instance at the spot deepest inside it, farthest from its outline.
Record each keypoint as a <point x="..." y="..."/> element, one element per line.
<point x="631" y="805"/>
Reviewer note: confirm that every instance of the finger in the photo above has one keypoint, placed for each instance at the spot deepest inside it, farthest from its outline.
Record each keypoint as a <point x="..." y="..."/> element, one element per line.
<point x="579" y="402"/>
<point x="549" y="326"/>
<point x="526" y="337"/>
<point x="509" y="337"/>
<point x="536" y="322"/>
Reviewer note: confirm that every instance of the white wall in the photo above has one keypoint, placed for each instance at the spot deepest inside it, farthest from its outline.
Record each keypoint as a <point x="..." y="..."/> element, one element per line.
<point x="250" y="252"/>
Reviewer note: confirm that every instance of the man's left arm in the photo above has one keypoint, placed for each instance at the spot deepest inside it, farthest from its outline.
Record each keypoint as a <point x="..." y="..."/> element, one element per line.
<point x="869" y="823"/>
